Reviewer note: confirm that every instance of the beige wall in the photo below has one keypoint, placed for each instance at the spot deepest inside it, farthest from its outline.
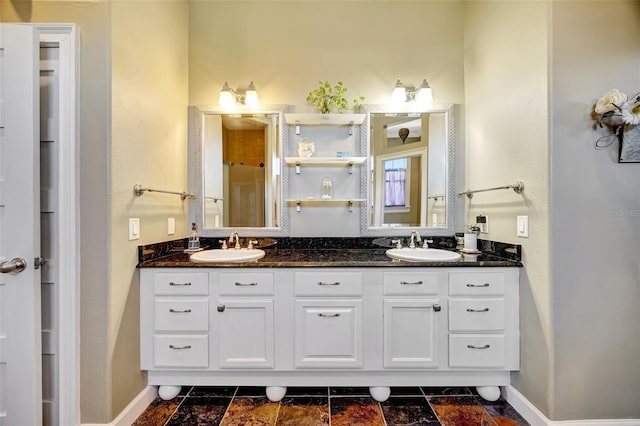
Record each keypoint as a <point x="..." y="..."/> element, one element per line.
<point x="506" y="140"/>
<point x="595" y="227"/>
<point x="148" y="146"/>
<point x="285" y="47"/>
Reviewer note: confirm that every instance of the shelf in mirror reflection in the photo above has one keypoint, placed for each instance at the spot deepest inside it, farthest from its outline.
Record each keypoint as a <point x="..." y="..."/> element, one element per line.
<point x="325" y="160"/>
<point x="298" y="202"/>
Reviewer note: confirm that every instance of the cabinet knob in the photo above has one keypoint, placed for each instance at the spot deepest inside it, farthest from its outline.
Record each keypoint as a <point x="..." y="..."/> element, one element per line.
<point x="221" y="308"/>
<point x="437" y="308"/>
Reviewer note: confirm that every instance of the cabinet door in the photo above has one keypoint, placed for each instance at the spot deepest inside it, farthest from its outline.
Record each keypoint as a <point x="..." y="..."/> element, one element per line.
<point x="245" y="333"/>
<point x="328" y="333"/>
<point x="411" y="333"/>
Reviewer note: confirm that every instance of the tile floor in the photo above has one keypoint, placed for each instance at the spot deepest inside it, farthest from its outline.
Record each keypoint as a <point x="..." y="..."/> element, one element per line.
<point x="244" y="406"/>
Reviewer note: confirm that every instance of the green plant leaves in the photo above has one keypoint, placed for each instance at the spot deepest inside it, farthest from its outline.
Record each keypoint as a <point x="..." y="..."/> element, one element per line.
<point x="326" y="96"/>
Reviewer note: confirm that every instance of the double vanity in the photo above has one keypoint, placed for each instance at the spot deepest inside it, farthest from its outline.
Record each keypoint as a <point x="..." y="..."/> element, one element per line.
<point x="314" y="311"/>
<point x="341" y="313"/>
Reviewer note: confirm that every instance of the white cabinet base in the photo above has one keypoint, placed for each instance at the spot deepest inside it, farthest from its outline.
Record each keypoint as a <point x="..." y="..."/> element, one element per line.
<point x="358" y="327"/>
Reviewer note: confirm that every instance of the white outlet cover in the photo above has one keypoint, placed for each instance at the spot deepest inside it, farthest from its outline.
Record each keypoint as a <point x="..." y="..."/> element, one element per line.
<point x="171" y="225"/>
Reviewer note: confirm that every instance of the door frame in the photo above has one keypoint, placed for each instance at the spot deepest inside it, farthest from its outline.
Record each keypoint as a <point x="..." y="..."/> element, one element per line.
<point x="66" y="37"/>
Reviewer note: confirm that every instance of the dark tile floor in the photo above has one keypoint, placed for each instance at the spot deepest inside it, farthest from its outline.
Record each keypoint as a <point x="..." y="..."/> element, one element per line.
<point x="244" y="406"/>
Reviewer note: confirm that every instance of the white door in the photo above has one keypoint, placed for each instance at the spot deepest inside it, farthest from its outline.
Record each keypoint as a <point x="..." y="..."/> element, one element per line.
<point x="20" y="336"/>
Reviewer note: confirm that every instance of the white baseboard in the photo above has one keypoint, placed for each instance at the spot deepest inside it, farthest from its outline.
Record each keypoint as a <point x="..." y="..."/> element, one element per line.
<point x="536" y="418"/>
<point x="132" y="411"/>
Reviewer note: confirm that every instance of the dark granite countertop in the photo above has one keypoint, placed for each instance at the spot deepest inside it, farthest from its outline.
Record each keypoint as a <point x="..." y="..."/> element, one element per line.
<point x="355" y="253"/>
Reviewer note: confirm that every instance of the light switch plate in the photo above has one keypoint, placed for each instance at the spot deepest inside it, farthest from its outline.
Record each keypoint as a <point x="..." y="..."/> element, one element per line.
<point x="522" y="225"/>
<point x="134" y="228"/>
<point x="171" y="225"/>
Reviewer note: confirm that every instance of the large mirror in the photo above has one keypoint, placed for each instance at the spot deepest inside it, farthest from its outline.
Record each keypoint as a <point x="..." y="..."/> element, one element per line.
<point x="235" y="171"/>
<point x="411" y="171"/>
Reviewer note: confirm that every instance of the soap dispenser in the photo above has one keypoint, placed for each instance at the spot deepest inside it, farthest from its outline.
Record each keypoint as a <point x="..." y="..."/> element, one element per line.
<point x="194" y="239"/>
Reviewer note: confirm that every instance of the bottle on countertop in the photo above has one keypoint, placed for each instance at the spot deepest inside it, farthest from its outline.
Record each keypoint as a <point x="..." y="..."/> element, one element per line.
<point x="194" y="239"/>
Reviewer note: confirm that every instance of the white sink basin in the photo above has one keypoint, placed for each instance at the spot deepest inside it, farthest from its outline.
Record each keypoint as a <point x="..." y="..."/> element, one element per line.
<point x="423" y="255"/>
<point x="229" y="255"/>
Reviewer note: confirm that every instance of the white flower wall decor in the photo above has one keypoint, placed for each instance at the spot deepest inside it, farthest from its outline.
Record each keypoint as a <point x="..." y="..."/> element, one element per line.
<point x="621" y="115"/>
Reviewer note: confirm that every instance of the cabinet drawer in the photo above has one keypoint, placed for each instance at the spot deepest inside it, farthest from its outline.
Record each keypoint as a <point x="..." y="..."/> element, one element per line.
<point x="181" y="315"/>
<point x="181" y="283"/>
<point x="476" y="283"/>
<point x="476" y="315"/>
<point x="181" y="351"/>
<point x="484" y="351"/>
<point x="406" y="283"/>
<point x="328" y="283"/>
<point x="246" y="283"/>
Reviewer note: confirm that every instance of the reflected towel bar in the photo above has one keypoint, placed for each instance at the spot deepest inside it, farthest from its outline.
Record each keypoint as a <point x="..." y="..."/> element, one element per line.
<point x="139" y="190"/>
<point x="518" y="187"/>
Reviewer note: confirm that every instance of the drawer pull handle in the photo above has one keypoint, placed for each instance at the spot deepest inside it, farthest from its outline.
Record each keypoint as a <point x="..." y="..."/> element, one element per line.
<point x="408" y="283"/>
<point x="478" y="310"/>
<point x="246" y="284"/>
<point x="334" y="283"/>
<point x="328" y="315"/>
<point x="437" y="308"/>
<point x="179" y="284"/>
<point x="178" y="311"/>
<point x="478" y="285"/>
<point x="180" y="347"/>
<point x="478" y="347"/>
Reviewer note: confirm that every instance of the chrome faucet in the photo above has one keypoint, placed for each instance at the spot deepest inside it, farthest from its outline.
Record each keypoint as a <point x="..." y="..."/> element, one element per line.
<point x="415" y="237"/>
<point x="234" y="235"/>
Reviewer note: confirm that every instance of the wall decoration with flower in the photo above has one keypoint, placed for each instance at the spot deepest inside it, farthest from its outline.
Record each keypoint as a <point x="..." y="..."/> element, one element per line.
<point x="621" y="115"/>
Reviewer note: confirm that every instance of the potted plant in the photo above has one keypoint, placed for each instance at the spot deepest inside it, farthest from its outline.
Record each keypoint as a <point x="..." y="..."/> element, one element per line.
<point x="326" y="97"/>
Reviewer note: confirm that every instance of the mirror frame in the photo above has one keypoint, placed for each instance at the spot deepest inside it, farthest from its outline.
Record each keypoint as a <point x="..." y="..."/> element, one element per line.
<point x="365" y="228"/>
<point x="196" y="175"/>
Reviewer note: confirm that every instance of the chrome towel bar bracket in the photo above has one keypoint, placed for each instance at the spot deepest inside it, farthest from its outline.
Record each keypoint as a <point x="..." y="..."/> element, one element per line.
<point x="517" y="187"/>
<point x="139" y="190"/>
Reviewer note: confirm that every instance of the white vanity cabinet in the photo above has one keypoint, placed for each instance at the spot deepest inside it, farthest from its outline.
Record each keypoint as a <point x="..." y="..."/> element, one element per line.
<point x="244" y="319"/>
<point x="376" y="327"/>
<point x="483" y="321"/>
<point x="414" y="327"/>
<point x="329" y="327"/>
<point x="174" y="314"/>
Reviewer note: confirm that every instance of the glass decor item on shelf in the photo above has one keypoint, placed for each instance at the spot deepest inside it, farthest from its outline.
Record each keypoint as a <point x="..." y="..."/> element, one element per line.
<point x="306" y="148"/>
<point x="326" y="188"/>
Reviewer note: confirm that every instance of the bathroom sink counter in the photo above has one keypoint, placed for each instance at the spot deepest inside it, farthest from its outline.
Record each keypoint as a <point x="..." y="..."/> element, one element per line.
<point x="318" y="311"/>
<point x="323" y="257"/>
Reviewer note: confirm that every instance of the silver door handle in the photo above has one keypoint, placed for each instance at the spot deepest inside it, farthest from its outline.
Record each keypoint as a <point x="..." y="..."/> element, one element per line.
<point x="17" y="264"/>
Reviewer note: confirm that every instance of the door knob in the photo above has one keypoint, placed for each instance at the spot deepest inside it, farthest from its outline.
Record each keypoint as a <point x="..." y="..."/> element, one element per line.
<point x="16" y="264"/>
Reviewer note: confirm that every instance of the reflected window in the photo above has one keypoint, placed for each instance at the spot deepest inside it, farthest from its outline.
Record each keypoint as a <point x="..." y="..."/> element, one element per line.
<point x="396" y="184"/>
